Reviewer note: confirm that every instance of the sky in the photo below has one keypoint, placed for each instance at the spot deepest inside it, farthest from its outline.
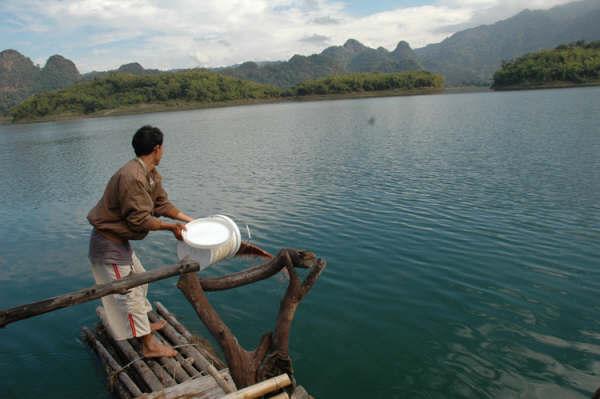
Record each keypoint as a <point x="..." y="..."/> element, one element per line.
<point x="167" y="34"/>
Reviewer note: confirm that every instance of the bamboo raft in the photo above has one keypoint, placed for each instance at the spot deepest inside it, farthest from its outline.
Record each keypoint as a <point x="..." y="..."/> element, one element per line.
<point x="196" y="372"/>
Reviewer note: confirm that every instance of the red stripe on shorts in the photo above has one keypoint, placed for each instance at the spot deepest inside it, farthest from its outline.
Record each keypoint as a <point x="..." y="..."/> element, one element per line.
<point x="131" y="324"/>
<point x="116" y="270"/>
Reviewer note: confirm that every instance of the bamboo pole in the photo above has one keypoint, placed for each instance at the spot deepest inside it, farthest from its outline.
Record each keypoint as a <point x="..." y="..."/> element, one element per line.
<point x="111" y="363"/>
<point x="187" y="363"/>
<point x="176" y="366"/>
<point x="162" y="375"/>
<point x="199" y="359"/>
<point x="170" y="317"/>
<point x="94" y="292"/>
<point x="167" y="334"/>
<point x="183" y="331"/>
<point x="166" y="373"/>
<point x="125" y="347"/>
<point x="204" y="387"/>
<point x="262" y="388"/>
<point x="122" y="393"/>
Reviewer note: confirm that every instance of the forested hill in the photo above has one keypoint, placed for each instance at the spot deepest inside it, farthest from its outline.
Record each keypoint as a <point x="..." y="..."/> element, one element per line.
<point x="20" y="78"/>
<point x="122" y="90"/>
<point x="573" y="64"/>
<point x="196" y="88"/>
<point x="368" y="82"/>
<point x="473" y="55"/>
<point x="353" y="56"/>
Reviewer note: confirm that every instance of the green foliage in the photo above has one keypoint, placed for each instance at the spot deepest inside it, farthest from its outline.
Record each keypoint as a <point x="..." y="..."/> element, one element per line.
<point x="118" y="90"/>
<point x="366" y="82"/>
<point x="200" y="86"/>
<point x="576" y="63"/>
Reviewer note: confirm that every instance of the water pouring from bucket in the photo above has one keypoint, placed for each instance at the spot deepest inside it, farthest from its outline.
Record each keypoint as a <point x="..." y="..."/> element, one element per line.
<point x="212" y="239"/>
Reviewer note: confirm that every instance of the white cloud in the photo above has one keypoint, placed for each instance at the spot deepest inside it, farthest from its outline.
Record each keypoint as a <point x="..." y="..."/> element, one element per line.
<point x="185" y="33"/>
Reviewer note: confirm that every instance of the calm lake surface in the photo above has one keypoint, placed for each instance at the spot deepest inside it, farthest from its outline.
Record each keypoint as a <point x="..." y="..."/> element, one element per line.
<point x="462" y="235"/>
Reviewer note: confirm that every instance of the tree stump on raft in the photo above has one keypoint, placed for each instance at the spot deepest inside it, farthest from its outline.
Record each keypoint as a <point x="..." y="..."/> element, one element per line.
<point x="271" y="356"/>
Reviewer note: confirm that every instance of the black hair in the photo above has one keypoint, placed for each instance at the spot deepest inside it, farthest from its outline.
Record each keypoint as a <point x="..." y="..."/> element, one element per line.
<point x="145" y="139"/>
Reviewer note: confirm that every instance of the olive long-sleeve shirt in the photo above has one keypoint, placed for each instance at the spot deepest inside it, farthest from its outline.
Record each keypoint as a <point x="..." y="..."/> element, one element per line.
<point x="131" y="203"/>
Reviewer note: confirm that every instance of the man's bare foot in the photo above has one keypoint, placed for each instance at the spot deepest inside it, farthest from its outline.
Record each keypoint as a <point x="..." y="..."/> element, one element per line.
<point x="161" y="351"/>
<point x="152" y="347"/>
<point x="158" y="325"/>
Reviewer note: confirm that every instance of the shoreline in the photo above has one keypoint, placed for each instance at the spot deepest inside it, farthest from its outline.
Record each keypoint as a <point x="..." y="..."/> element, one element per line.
<point x="174" y="106"/>
<point x="546" y="86"/>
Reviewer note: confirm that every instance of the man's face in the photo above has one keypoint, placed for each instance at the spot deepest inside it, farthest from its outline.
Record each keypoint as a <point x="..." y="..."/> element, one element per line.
<point x="158" y="153"/>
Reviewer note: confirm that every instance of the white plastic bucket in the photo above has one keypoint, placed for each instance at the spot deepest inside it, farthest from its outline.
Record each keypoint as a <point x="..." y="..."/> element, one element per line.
<point x="209" y="240"/>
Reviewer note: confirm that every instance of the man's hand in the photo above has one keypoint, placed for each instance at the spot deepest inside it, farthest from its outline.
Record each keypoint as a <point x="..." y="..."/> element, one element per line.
<point x="177" y="230"/>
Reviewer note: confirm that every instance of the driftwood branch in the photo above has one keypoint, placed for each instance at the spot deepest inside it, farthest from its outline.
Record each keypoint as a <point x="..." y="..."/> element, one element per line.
<point x="271" y="357"/>
<point x="301" y="259"/>
<point x="249" y="249"/>
<point x="234" y="354"/>
<point x="296" y="291"/>
<point x="278" y="359"/>
<point x="94" y="292"/>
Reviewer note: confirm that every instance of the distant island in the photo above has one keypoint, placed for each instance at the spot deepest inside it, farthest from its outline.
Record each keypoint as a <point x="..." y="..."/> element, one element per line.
<point x="121" y="93"/>
<point x="574" y="64"/>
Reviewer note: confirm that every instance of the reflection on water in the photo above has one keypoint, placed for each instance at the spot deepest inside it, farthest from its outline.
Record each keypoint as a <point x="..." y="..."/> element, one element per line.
<point x="461" y="233"/>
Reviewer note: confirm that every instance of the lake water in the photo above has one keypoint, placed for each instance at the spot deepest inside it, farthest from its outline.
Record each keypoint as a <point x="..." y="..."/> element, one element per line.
<point x="462" y="235"/>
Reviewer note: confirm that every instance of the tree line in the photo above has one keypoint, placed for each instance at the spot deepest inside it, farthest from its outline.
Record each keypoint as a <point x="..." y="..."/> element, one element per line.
<point x="576" y="63"/>
<point x="367" y="82"/>
<point x="200" y="86"/>
<point x="122" y="89"/>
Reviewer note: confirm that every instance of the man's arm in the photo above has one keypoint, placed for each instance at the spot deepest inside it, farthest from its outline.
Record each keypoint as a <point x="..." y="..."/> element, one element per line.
<point x="176" y="214"/>
<point x="137" y="209"/>
<point x="175" y="228"/>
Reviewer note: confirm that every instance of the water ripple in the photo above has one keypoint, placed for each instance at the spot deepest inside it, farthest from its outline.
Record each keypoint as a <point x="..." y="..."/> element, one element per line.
<point x="461" y="235"/>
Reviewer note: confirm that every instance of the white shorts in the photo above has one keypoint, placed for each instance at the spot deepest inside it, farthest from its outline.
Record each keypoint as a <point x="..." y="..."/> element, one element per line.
<point x="127" y="314"/>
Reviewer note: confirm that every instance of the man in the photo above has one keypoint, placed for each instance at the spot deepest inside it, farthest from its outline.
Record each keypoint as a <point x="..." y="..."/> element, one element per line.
<point x="132" y="202"/>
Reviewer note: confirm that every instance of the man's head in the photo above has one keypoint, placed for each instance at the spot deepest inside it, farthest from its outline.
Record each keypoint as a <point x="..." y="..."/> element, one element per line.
<point x="148" y="141"/>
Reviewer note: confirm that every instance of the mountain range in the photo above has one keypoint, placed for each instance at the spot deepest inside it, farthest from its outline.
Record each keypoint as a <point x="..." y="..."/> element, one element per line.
<point x="473" y="55"/>
<point x="134" y="68"/>
<point x="468" y="57"/>
<point x="353" y="56"/>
